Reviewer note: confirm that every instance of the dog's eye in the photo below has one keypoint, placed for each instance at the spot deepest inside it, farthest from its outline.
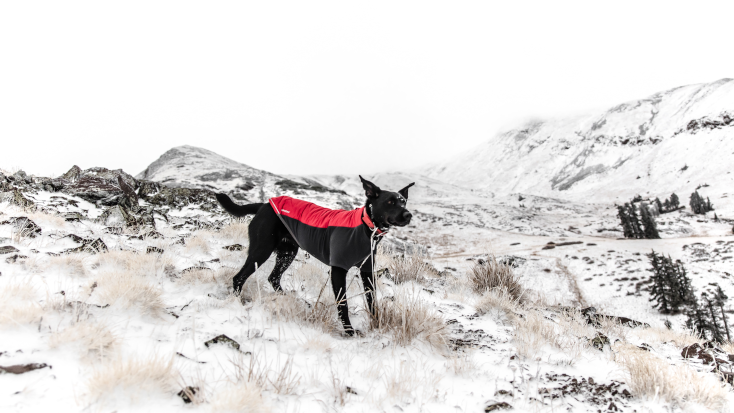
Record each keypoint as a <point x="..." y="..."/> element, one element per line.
<point x="390" y="202"/>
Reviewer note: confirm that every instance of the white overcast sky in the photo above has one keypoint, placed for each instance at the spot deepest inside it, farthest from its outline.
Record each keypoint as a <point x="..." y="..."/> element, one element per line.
<point x="327" y="87"/>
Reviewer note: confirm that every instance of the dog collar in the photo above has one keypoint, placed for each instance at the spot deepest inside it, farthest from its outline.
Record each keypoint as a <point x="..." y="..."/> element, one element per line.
<point x="367" y="221"/>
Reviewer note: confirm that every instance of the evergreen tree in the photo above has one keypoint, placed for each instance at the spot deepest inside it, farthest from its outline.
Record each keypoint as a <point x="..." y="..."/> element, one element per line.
<point x="625" y="220"/>
<point x="671" y="288"/>
<point x="659" y="206"/>
<point x="651" y="229"/>
<point x="715" y="328"/>
<point x="674" y="201"/>
<point x="634" y="221"/>
<point x="660" y="291"/>
<point x="697" y="320"/>
<point x="709" y="207"/>
<point x="719" y="300"/>
<point x="695" y="203"/>
<point x="666" y="205"/>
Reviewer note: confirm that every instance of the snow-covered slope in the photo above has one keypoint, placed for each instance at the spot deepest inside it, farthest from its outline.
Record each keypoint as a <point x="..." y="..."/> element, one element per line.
<point x="192" y="167"/>
<point x="671" y="141"/>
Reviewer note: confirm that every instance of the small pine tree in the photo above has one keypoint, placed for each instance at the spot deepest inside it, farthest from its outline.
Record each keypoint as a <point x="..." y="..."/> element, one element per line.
<point x="720" y="300"/>
<point x="659" y="206"/>
<point x="697" y="320"/>
<point x="671" y="288"/>
<point x="625" y="221"/>
<point x="666" y="205"/>
<point x="695" y="203"/>
<point x="634" y="221"/>
<point x="651" y="229"/>
<point x="674" y="201"/>
<point x="709" y="206"/>
<point x="715" y="329"/>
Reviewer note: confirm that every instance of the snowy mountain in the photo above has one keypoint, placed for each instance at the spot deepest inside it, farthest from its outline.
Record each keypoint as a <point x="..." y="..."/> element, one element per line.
<point x="670" y="141"/>
<point x="192" y="167"/>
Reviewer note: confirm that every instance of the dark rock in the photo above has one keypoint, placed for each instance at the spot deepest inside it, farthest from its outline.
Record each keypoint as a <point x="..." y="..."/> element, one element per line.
<point x="21" y="177"/>
<point x="24" y="226"/>
<point x="195" y="268"/>
<point x="23" y="368"/>
<point x="599" y="341"/>
<point x="154" y="250"/>
<point x="188" y="393"/>
<point x="73" y="174"/>
<point x="14" y="258"/>
<point x="594" y="318"/>
<point x="512" y="261"/>
<point x="102" y="186"/>
<point x="92" y="246"/>
<point x="234" y="247"/>
<point x="7" y="249"/>
<point x="548" y="247"/>
<point x="148" y="235"/>
<point x="17" y="198"/>
<point x="497" y="406"/>
<point x="74" y="217"/>
<point x="223" y="339"/>
<point x="691" y="351"/>
<point x="561" y="244"/>
<point x="503" y="393"/>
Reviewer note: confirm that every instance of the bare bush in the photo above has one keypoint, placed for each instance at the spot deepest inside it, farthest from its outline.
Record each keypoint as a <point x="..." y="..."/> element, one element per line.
<point x="132" y="262"/>
<point x="407" y="318"/>
<point x="132" y="376"/>
<point x="266" y="373"/>
<point x="651" y="377"/>
<point x="490" y="274"/>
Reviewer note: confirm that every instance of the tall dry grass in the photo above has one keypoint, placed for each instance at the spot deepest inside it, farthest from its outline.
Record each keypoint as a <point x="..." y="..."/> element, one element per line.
<point x="128" y="291"/>
<point x="569" y="333"/>
<point x="407" y="267"/>
<point x="406" y="318"/>
<point x="19" y="303"/>
<point x="490" y="274"/>
<point x="131" y="378"/>
<point x="652" y="378"/>
<point x="91" y="337"/>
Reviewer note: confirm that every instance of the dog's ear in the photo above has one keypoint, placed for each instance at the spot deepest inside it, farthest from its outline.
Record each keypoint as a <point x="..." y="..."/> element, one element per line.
<point x="404" y="191"/>
<point x="371" y="190"/>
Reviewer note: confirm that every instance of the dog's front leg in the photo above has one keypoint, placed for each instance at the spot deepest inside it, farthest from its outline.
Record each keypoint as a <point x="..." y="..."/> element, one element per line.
<point x="339" y="284"/>
<point x="368" y="282"/>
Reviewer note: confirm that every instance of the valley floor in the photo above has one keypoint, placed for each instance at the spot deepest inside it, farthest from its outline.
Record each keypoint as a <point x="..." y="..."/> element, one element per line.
<point x="122" y="319"/>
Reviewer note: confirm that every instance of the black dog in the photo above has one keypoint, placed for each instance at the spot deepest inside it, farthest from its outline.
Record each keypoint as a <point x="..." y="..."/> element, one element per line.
<point x="341" y="239"/>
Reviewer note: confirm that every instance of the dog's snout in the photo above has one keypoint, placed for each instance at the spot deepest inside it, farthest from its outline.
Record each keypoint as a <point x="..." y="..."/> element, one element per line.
<point x="407" y="215"/>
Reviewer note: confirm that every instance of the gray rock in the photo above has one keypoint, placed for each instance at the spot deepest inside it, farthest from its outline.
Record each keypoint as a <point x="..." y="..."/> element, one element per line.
<point x="7" y="249"/>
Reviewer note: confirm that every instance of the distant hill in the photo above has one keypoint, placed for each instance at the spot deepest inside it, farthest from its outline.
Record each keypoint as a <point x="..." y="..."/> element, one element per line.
<point x="670" y="141"/>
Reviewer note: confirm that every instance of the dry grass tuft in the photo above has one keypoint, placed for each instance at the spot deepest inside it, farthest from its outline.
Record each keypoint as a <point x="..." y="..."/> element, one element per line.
<point x="240" y="397"/>
<point x="135" y="376"/>
<point x="199" y="243"/>
<point x="271" y="374"/>
<point x="497" y="302"/>
<point x="288" y="307"/>
<point x="569" y="333"/>
<point x="18" y="304"/>
<point x="491" y="274"/>
<point x="407" y="318"/>
<point x="728" y="346"/>
<point x="126" y="290"/>
<point x="151" y="265"/>
<point x="406" y="267"/>
<point x="236" y="231"/>
<point x="653" y="378"/>
<point x="655" y="335"/>
<point x="93" y="338"/>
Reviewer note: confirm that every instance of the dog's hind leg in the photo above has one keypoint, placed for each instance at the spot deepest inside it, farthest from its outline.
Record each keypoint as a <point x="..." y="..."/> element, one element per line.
<point x="265" y="232"/>
<point x="286" y="252"/>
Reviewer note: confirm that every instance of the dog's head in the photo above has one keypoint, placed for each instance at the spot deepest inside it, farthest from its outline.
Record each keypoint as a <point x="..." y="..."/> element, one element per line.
<point x="387" y="208"/>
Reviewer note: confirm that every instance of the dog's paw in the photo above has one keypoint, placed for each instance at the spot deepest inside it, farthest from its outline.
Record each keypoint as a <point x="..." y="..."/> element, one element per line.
<point x="350" y="332"/>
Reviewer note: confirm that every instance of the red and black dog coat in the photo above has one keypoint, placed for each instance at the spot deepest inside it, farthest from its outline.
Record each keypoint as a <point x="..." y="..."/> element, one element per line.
<point x="336" y="237"/>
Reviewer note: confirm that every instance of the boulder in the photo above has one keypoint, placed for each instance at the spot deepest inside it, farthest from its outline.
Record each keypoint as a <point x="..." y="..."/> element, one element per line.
<point x="23" y="368"/>
<point x="222" y="339"/>
<point x="8" y="249"/>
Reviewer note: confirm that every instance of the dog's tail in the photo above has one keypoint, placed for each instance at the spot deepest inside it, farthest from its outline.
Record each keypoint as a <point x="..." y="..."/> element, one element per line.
<point x="237" y="210"/>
